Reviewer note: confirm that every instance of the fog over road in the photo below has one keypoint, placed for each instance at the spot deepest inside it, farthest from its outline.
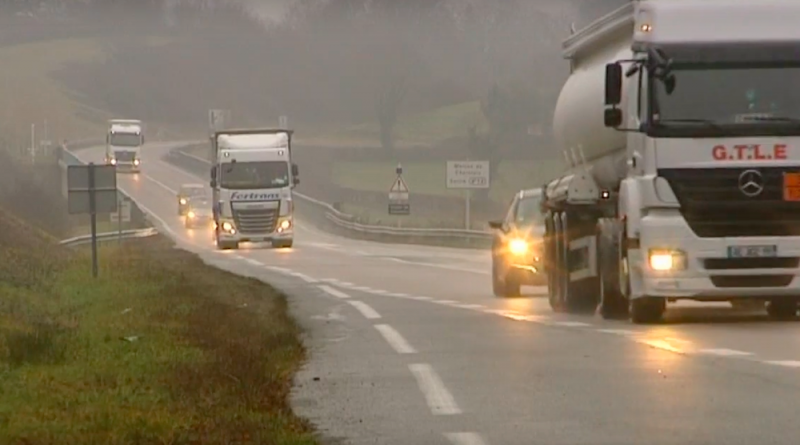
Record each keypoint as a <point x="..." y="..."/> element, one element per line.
<point x="408" y="346"/>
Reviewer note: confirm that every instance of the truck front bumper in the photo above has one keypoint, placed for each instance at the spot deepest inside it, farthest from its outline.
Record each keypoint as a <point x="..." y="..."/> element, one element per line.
<point x="701" y="268"/>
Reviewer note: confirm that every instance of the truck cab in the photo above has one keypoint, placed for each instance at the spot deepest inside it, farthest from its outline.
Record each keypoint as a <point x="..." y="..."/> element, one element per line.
<point x="124" y="141"/>
<point x="252" y="177"/>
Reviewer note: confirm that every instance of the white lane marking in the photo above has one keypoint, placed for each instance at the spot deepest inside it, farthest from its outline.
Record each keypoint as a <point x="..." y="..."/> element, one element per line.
<point x="724" y="352"/>
<point x="571" y="324"/>
<point x="346" y="284"/>
<point x="161" y="184"/>
<point x="254" y="262"/>
<point x="625" y="332"/>
<point x="786" y="363"/>
<point x="440" y="266"/>
<point x="471" y="306"/>
<point x="329" y="280"/>
<point x="448" y="302"/>
<point x="362" y="288"/>
<point x="419" y="298"/>
<point x="335" y="292"/>
<point x="465" y="438"/>
<point x="304" y="277"/>
<point x="379" y="291"/>
<point x="365" y="309"/>
<point x="439" y="399"/>
<point x="397" y="294"/>
<point x="395" y="340"/>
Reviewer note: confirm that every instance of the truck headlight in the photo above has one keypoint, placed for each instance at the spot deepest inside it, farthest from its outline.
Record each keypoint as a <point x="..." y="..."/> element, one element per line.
<point x="518" y="246"/>
<point x="191" y="214"/>
<point x="226" y="226"/>
<point x="663" y="260"/>
<point x="135" y="162"/>
<point x="183" y="201"/>
<point x="285" y="224"/>
<point x="113" y="161"/>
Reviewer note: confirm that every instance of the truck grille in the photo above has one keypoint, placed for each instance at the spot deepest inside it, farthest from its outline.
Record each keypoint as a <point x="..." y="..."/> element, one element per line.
<point x="125" y="156"/>
<point x="714" y="206"/>
<point x="255" y="221"/>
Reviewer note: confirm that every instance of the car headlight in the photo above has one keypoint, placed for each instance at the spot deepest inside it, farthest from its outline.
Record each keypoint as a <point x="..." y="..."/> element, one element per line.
<point x="135" y="162"/>
<point x="226" y="226"/>
<point x="113" y="161"/>
<point x="190" y="214"/>
<point x="663" y="260"/>
<point x="183" y="201"/>
<point x="518" y="246"/>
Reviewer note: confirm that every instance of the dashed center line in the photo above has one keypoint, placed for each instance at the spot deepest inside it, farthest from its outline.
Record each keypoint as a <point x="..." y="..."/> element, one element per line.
<point x="335" y="292"/>
<point x="465" y="438"/>
<point x="394" y="339"/>
<point x="439" y="399"/>
<point x="365" y="309"/>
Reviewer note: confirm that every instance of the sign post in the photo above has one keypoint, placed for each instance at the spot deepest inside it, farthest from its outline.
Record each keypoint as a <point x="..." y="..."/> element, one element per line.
<point x="467" y="175"/>
<point x="398" y="195"/>
<point x="92" y="189"/>
<point x="283" y="122"/>
<point x="123" y="215"/>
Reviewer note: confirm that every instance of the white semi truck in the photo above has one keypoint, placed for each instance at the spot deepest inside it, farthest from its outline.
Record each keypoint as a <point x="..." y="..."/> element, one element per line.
<point x="252" y="176"/>
<point x="124" y="141"/>
<point x="681" y="122"/>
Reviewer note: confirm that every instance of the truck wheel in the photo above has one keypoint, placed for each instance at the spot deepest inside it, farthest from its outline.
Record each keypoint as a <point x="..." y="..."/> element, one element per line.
<point x="581" y="296"/>
<point x="783" y="309"/>
<point x="647" y="310"/>
<point x="613" y="302"/>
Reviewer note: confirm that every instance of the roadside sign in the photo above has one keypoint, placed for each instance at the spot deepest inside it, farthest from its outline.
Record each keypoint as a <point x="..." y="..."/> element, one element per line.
<point x="124" y="211"/>
<point x="86" y="180"/>
<point x="283" y="122"/>
<point x="467" y="174"/>
<point x="398" y="197"/>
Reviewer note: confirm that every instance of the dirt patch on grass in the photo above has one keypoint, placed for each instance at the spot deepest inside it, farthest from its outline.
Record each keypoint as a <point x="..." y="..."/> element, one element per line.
<point x="159" y="349"/>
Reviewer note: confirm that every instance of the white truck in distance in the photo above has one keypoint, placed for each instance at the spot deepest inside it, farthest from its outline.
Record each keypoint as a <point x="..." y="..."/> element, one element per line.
<point x="124" y="141"/>
<point x="252" y="176"/>
<point x="685" y="181"/>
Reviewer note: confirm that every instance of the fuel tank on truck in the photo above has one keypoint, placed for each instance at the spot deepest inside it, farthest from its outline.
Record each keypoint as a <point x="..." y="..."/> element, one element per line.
<point x="578" y="117"/>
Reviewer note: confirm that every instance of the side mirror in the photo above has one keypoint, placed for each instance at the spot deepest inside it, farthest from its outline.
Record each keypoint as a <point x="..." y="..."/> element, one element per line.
<point x="296" y="180"/>
<point x="612" y="117"/>
<point x="669" y="84"/>
<point x="213" y="173"/>
<point x="295" y="170"/>
<point x="613" y="84"/>
<point x="213" y="183"/>
<point x="498" y="225"/>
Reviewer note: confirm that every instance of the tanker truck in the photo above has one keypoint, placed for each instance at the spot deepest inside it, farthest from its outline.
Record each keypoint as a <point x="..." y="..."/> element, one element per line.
<point x="680" y="122"/>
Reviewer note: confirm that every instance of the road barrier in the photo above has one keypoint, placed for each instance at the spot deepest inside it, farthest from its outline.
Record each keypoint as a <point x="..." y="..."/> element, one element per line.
<point x="328" y="218"/>
<point x="109" y="236"/>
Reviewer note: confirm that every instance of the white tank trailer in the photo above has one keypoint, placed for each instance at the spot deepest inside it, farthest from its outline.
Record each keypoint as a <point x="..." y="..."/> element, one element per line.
<point x="673" y="191"/>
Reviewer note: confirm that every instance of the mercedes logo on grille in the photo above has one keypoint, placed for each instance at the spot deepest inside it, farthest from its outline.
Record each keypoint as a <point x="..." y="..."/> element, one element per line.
<point x="751" y="183"/>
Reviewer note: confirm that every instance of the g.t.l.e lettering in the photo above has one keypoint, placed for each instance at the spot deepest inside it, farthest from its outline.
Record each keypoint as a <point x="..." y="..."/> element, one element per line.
<point x="749" y="152"/>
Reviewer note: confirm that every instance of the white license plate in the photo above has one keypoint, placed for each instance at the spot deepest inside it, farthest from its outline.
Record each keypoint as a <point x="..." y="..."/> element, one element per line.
<point x="766" y="251"/>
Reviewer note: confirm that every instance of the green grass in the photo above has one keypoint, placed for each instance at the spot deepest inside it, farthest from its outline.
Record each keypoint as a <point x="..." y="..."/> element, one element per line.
<point x="159" y="349"/>
<point x="429" y="177"/>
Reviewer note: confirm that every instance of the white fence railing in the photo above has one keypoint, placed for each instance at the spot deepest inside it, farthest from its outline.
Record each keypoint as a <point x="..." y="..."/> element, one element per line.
<point x="345" y="224"/>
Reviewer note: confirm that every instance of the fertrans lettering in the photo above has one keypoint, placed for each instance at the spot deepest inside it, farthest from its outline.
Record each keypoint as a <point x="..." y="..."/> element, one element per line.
<point x="749" y="152"/>
<point x="254" y="196"/>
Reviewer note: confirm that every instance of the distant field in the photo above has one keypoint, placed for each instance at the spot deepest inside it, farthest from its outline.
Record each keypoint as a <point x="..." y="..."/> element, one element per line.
<point x="28" y="95"/>
<point x="429" y="177"/>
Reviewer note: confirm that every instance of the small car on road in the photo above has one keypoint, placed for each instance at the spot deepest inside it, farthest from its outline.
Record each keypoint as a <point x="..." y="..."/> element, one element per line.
<point x="198" y="213"/>
<point x="186" y="193"/>
<point x="517" y="245"/>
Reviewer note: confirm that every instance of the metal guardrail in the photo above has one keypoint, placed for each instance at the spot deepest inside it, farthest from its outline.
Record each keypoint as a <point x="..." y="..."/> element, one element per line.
<point x="345" y="224"/>
<point x="109" y="236"/>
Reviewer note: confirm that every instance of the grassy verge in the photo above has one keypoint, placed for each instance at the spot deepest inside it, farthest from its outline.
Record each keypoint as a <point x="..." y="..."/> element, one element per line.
<point x="159" y="349"/>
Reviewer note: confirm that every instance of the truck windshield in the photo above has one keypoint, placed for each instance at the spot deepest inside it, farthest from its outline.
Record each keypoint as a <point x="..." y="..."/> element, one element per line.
<point x="729" y="97"/>
<point x="528" y="211"/>
<point x="125" y="139"/>
<point x="253" y="175"/>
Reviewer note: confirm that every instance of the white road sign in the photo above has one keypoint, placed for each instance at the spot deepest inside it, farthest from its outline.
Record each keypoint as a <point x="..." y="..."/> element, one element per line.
<point x="399" y="190"/>
<point x="468" y="174"/>
<point x="124" y="209"/>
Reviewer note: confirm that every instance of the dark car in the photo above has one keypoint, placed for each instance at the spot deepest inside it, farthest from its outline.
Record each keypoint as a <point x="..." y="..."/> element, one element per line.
<point x="199" y="213"/>
<point x="188" y="192"/>
<point x="517" y="247"/>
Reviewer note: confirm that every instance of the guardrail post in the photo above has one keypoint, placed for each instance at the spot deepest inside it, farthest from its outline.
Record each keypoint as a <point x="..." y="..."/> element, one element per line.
<point x="93" y="217"/>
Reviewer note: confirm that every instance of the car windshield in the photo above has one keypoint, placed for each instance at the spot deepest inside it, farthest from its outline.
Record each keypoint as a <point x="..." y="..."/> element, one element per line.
<point x="125" y="139"/>
<point x="252" y="175"/>
<point x="528" y="211"/>
<point x="727" y="94"/>
<point x="194" y="192"/>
